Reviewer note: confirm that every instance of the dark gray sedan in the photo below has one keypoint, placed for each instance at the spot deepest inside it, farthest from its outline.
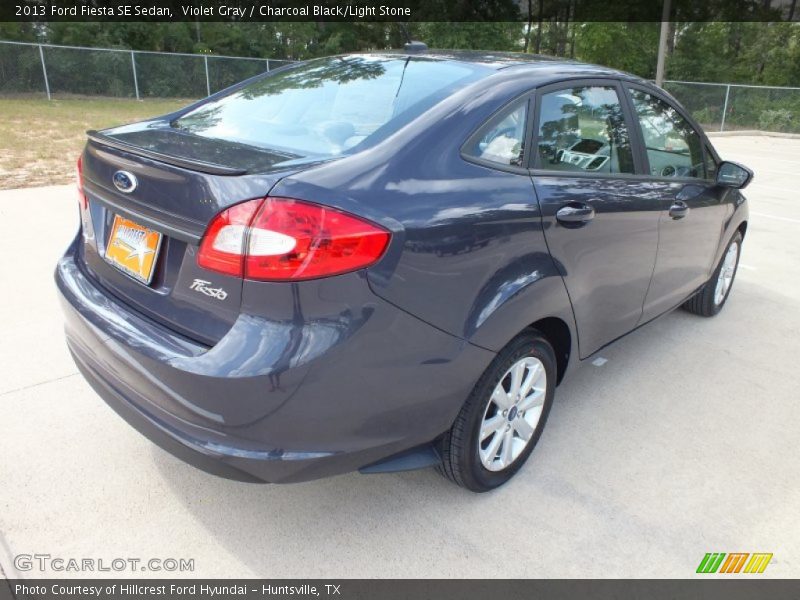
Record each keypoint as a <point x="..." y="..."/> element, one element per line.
<point x="387" y="261"/>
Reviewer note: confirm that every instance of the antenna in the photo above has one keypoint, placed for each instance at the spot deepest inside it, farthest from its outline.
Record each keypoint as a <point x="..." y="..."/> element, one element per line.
<point x="404" y="29"/>
<point x="411" y="45"/>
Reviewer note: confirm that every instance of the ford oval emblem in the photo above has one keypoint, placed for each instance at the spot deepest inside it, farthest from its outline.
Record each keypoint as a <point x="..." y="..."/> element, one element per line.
<point x="125" y="182"/>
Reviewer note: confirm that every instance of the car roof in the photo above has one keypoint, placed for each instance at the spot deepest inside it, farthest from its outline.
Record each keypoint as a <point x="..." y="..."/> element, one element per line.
<point x="539" y="68"/>
<point x="498" y="60"/>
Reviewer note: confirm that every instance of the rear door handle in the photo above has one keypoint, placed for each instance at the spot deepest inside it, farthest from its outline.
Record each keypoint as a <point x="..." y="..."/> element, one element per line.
<point x="679" y="209"/>
<point x="575" y="214"/>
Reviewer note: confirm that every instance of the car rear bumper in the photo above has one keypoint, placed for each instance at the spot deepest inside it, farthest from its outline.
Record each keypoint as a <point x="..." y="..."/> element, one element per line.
<point x="274" y="400"/>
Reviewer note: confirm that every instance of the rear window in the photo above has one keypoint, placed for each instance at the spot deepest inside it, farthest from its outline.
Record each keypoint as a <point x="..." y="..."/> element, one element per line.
<point x="329" y="106"/>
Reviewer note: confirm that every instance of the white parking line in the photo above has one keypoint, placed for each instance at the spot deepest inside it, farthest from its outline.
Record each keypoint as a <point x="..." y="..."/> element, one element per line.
<point x="765" y="172"/>
<point x="792" y="161"/>
<point x="765" y="186"/>
<point x="790" y="220"/>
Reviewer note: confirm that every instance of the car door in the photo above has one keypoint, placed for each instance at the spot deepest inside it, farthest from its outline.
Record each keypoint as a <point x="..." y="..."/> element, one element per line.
<point x="682" y="174"/>
<point x="600" y="218"/>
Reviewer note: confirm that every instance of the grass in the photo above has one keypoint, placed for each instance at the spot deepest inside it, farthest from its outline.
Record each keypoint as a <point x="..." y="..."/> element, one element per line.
<point x="40" y="140"/>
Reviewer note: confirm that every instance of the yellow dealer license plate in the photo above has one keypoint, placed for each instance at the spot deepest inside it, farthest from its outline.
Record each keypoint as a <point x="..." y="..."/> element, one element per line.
<point x="133" y="249"/>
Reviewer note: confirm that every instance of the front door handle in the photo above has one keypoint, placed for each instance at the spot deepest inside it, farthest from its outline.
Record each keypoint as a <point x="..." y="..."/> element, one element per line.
<point x="575" y="214"/>
<point x="679" y="209"/>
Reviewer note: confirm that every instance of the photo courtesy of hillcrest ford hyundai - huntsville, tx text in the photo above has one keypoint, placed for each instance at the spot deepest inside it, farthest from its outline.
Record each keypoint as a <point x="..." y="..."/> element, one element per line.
<point x="388" y="261"/>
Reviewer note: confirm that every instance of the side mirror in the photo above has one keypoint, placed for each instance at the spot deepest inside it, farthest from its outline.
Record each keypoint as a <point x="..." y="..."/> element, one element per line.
<point x="731" y="174"/>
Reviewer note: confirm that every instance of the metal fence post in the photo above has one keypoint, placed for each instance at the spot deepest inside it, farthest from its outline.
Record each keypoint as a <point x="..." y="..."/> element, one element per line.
<point x="44" y="71"/>
<point x="725" y="107"/>
<point x="267" y="61"/>
<point x="135" y="79"/>
<point x="208" y="83"/>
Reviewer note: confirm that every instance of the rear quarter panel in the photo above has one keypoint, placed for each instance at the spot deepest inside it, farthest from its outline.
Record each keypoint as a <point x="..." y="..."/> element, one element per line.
<point x="468" y="254"/>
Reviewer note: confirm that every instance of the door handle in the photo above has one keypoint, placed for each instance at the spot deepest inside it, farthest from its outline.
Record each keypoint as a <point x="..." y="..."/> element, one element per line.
<point x="575" y="214"/>
<point x="679" y="209"/>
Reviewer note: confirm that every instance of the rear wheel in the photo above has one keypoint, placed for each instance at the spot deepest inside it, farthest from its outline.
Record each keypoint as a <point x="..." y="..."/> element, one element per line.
<point x="710" y="299"/>
<point x="501" y="421"/>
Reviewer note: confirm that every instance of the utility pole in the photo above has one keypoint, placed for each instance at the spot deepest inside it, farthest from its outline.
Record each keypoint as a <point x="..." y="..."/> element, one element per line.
<point x="662" y="43"/>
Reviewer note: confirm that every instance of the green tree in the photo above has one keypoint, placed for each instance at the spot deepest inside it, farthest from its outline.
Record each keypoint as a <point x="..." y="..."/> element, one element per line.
<point x="738" y="52"/>
<point x="18" y="32"/>
<point x="629" y="47"/>
<point x="471" y="36"/>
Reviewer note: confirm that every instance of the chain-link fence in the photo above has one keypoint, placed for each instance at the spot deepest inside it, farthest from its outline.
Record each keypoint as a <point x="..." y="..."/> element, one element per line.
<point x="728" y="107"/>
<point x="53" y="70"/>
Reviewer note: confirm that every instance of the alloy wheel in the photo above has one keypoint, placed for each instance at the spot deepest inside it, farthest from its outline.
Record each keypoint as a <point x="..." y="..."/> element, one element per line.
<point x="726" y="273"/>
<point x="512" y="414"/>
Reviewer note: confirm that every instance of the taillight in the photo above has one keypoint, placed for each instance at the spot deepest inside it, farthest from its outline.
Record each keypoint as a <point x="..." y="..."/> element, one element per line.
<point x="83" y="201"/>
<point x="281" y="239"/>
<point x="222" y="248"/>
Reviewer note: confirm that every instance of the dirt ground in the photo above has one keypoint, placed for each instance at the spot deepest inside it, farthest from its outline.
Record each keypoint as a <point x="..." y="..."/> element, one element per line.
<point x="40" y="140"/>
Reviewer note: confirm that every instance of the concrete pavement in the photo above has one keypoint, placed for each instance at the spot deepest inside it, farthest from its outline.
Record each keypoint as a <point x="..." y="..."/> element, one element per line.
<point x="684" y="442"/>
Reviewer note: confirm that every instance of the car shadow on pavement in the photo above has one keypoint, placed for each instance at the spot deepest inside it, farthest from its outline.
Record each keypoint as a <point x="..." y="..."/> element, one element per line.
<point x="319" y="527"/>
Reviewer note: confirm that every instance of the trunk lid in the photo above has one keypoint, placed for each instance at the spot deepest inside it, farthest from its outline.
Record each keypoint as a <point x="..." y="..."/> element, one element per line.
<point x="180" y="182"/>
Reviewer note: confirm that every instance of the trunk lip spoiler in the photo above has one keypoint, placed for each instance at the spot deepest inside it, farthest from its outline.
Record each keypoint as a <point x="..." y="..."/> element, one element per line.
<point x="186" y="163"/>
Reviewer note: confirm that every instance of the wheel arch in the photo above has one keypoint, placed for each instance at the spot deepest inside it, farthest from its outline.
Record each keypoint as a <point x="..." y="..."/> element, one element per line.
<point x="736" y="223"/>
<point x="543" y="305"/>
<point x="558" y="333"/>
<point x="742" y="228"/>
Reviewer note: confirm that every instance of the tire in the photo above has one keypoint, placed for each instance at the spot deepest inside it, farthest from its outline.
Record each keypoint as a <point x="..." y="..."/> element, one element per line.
<point x="707" y="302"/>
<point x="464" y="458"/>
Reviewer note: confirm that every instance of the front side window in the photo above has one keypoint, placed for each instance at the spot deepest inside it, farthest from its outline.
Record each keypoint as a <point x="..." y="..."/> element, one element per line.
<point x="582" y="129"/>
<point x="673" y="146"/>
<point x="502" y="139"/>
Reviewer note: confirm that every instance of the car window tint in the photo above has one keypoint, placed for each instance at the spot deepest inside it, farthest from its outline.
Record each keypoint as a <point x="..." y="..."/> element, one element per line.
<point x="711" y="165"/>
<point x="673" y="146"/>
<point x="502" y="139"/>
<point x="583" y="129"/>
<point x="328" y="107"/>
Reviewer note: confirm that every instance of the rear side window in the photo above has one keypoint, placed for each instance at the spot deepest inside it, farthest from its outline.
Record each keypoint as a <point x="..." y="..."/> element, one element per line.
<point x="502" y="139"/>
<point x="582" y="129"/>
<point x="674" y="148"/>
<point x="326" y="107"/>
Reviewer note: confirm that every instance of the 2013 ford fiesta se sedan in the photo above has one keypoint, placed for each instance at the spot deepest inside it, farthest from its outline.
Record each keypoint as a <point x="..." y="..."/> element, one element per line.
<point x="387" y="261"/>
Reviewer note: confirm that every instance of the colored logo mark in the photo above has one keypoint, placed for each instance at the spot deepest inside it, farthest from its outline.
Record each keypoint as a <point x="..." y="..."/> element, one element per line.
<point x="734" y="562"/>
